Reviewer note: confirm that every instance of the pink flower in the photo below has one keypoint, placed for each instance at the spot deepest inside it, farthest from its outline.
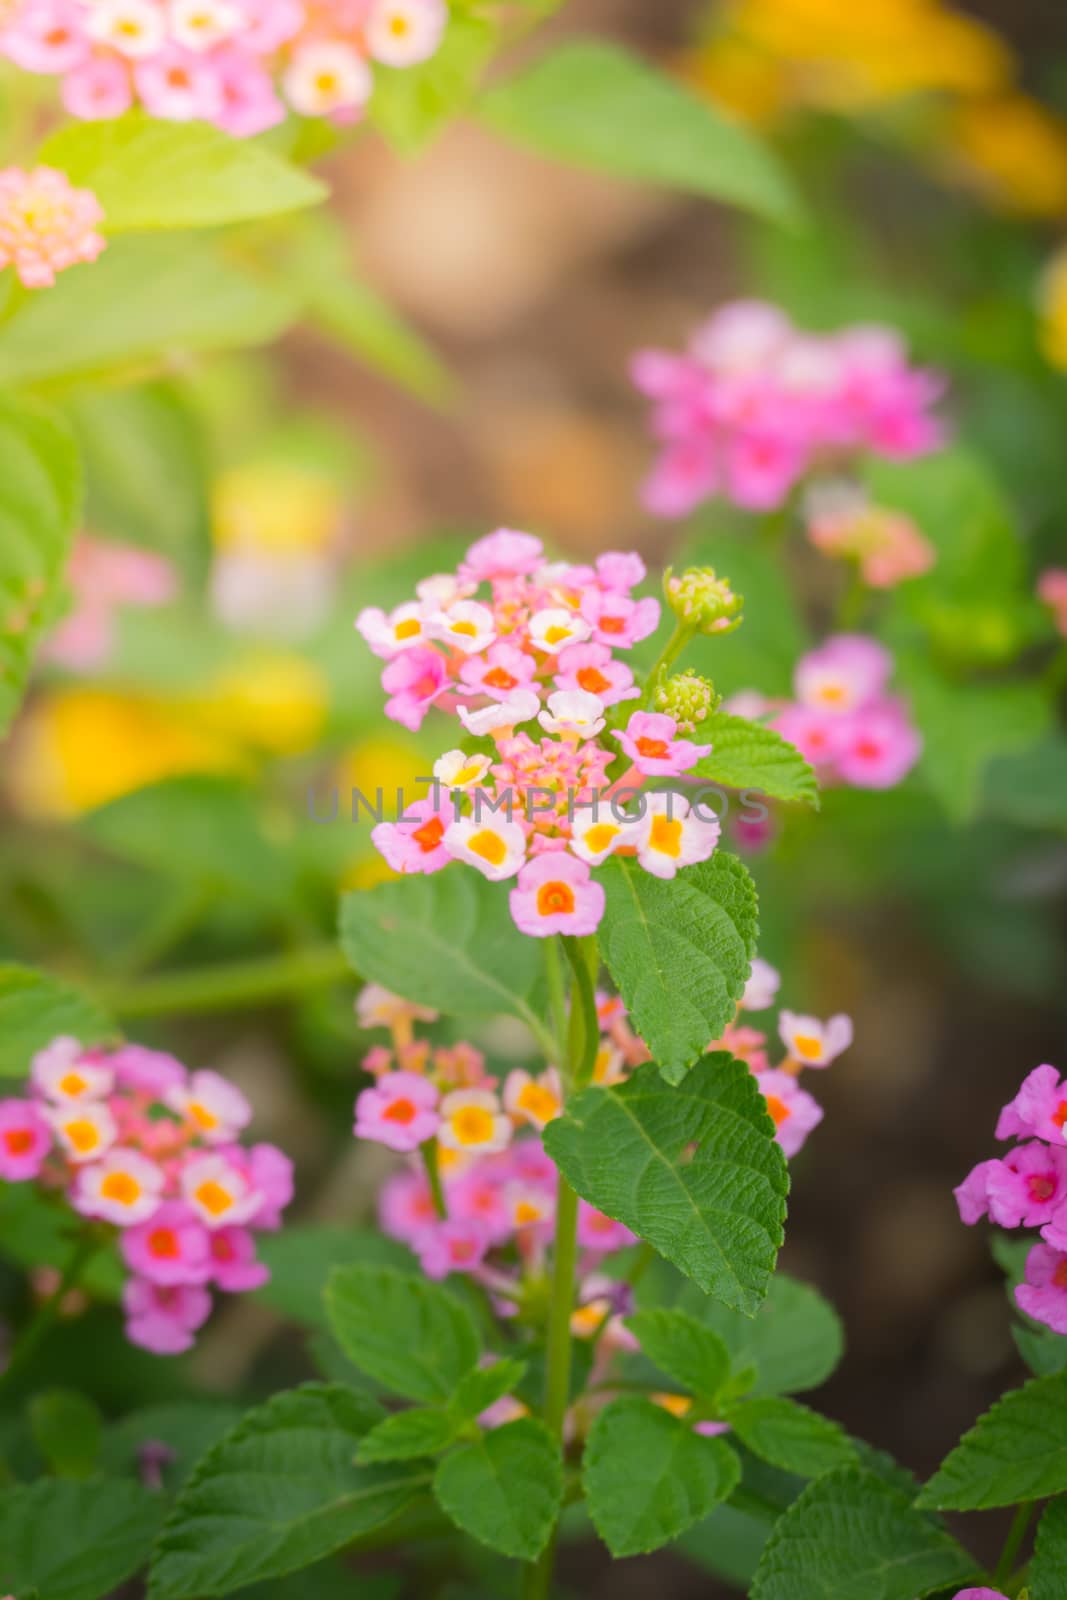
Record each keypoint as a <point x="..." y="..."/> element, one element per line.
<point x="233" y="1263"/>
<point x="877" y="747"/>
<point x="972" y="1195"/>
<point x="389" y="635"/>
<point x="1052" y="591"/>
<point x="413" y="682"/>
<point x="556" y="894"/>
<point x="844" y="674"/>
<point x="745" y="1044"/>
<point x="415" y="843"/>
<point x="270" y="1173"/>
<point x="599" y="1233"/>
<point x="1040" y="1108"/>
<point x="164" y="1319"/>
<point x="405" y="1205"/>
<point x="501" y="553"/>
<point x="216" y="1109"/>
<point x="762" y="466"/>
<point x="25" y="1140"/>
<point x="172" y="1247"/>
<point x="685" y="475"/>
<point x="1028" y="1186"/>
<point x="762" y="986"/>
<point x="446" y="1247"/>
<point x="816" y="734"/>
<point x="981" y="1594"/>
<point x="591" y="667"/>
<point x="813" y="1043"/>
<point x="500" y="671"/>
<point x="218" y="1191"/>
<point x="46" y="225"/>
<point x="145" y="1071"/>
<point x="67" y="1074"/>
<point x="478" y="1196"/>
<point x="124" y="1187"/>
<point x="399" y="1110"/>
<point x="98" y="88"/>
<point x="649" y="741"/>
<point x="617" y="620"/>
<point x="793" y="1111"/>
<point x="46" y="36"/>
<point x="1043" y="1295"/>
<point x="179" y="85"/>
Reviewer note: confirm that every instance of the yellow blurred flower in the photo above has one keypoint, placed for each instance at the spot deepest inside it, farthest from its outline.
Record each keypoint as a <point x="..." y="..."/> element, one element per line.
<point x="273" y="701"/>
<point x="1053" y="309"/>
<point x="276" y="508"/>
<point x="392" y="765"/>
<point x="1012" y="151"/>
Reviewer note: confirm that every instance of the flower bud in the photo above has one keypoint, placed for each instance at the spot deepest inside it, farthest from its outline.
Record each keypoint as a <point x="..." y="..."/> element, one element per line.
<point x="704" y="602"/>
<point x="688" y="698"/>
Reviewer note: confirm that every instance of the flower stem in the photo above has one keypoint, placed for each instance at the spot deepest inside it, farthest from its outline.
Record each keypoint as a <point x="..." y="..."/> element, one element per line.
<point x="48" y="1311"/>
<point x="1013" y="1544"/>
<point x="433" y="1175"/>
<point x="238" y="983"/>
<point x="683" y="632"/>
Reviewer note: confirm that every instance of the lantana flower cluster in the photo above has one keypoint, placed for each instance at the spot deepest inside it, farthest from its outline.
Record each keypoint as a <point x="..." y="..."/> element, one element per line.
<point x="131" y="1139"/>
<point x="46" y="225"/>
<point x="526" y="653"/>
<point x="886" y="546"/>
<point x="844" y="720"/>
<point x="809" y="1043"/>
<point x="1027" y="1188"/>
<point x="106" y="577"/>
<point x="236" y="63"/>
<point x="755" y="404"/>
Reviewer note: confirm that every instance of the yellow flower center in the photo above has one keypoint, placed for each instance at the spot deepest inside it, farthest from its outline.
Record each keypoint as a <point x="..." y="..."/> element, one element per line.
<point x="666" y="836"/>
<point x="490" y="846"/>
<point x="473" y="1125"/>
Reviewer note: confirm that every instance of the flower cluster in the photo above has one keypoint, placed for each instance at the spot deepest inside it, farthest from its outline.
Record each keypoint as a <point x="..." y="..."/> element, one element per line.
<point x="809" y="1043"/>
<point x="1027" y="1188"/>
<point x="886" y="546"/>
<point x="220" y="61"/>
<point x="843" y="719"/>
<point x="493" y="1211"/>
<point x="523" y="652"/>
<point x="46" y="225"/>
<point x="105" y="577"/>
<point x="132" y="1139"/>
<point x="754" y="405"/>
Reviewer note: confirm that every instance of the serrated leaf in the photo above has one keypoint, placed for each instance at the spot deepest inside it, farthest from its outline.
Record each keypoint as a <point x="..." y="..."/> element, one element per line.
<point x="679" y="952"/>
<point x="68" y="1430"/>
<point x="408" y="1435"/>
<point x="74" y="1541"/>
<point x="410" y="1335"/>
<point x="795" y="1340"/>
<point x="684" y="1349"/>
<point x="597" y="105"/>
<point x="35" y="1009"/>
<point x="40" y="499"/>
<point x="648" y="1476"/>
<point x="745" y="755"/>
<point x="718" y="1216"/>
<point x="1048" y="1569"/>
<point x="279" y="1493"/>
<point x="789" y="1436"/>
<point x="849" y="1536"/>
<point x="1017" y="1451"/>
<point x="150" y="174"/>
<point x="446" y="940"/>
<point x="484" y="1386"/>
<point x="506" y="1489"/>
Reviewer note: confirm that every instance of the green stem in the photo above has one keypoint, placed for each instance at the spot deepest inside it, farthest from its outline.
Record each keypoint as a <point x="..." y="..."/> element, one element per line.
<point x="48" y="1311"/>
<point x="433" y="1174"/>
<point x="683" y="632"/>
<point x="584" y="1030"/>
<point x="1013" y="1544"/>
<point x="557" y="1001"/>
<point x="238" y="983"/>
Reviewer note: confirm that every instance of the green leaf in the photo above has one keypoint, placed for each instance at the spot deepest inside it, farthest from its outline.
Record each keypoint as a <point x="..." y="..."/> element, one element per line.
<point x="506" y="1489"/>
<point x="188" y="1430"/>
<point x="280" y="1492"/>
<point x="718" y="1214"/>
<point x="74" y="1541"/>
<point x="40" y="498"/>
<point x="408" y="1435"/>
<point x="795" y="1340"/>
<point x="1029" y="789"/>
<point x="729" y="1544"/>
<point x="446" y="940"/>
<point x="301" y="1259"/>
<point x="790" y="1436"/>
<point x="200" y="829"/>
<point x="850" y="1536"/>
<point x="648" y="1476"/>
<point x="410" y="104"/>
<point x="1048" y="1569"/>
<point x="680" y="952"/>
<point x="35" y="1009"/>
<point x="146" y="471"/>
<point x="142" y="306"/>
<point x="684" y="1349"/>
<point x="67" y="1430"/>
<point x="410" y="1335"/>
<point x="484" y="1386"/>
<point x="152" y="174"/>
<point x="745" y="755"/>
<point x="596" y="105"/>
<point x="1017" y="1451"/>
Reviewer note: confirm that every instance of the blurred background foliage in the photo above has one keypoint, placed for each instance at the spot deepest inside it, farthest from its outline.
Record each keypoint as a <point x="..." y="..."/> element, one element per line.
<point x="455" y="339"/>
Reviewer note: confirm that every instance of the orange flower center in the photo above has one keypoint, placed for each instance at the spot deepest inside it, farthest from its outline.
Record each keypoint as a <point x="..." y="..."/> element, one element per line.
<point x="83" y="1136"/>
<point x="807" y="1048"/>
<point x="600" y="835"/>
<point x="666" y="836"/>
<point x="592" y="680"/>
<point x="612" y="625"/>
<point x="18" y="1141"/>
<point x="473" y="1125"/>
<point x="73" y="1084"/>
<point x="490" y="846"/>
<point x="429" y="836"/>
<point x="120" y="1187"/>
<point x="655" y="749"/>
<point x="778" y="1109"/>
<point x="555" y="899"/>
<point x="1059" y="1116"/>
<point x="538" y="1101"/>
<point x="214" y="1198"/>
<point x="163" y="1244"/>
<point x="499" y="678"/>
<point x="1042" y="1188"/>
<point x="402" y="1111"/>
<point x="1059" y="1277"/>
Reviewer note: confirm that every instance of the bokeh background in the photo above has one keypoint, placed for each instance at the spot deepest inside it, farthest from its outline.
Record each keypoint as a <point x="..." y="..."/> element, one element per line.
<point x="936" y="165"/>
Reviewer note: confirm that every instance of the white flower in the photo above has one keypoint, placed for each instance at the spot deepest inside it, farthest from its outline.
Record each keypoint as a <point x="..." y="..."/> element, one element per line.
<point x="326" y="77"/>
<point x="217" y="1109"/>
<point x="466" y="626"/>
<point x="669" y="836"/>
<point x="220" y="1195"/>
<point x="596" y="833"/>
<point x="458" y="770"/>
<point x="135" y="28"/>
<point x="762" y="986"/>
<point x="812" y="1043"/>
<point x="533" y="1100"/>
<point x="84" y="1131"/>
<point x="378" y="1008"/>
<point x="497" y="848"/>
<point x="389" y="634"/>
<point x="202" y="24"/>
<point x="472" y="1121"/>
<point x="124" y="1188"/>
<point x="573" y="711"/>
<point x="552" y="630"/>
<point x="401" y="33"/>
<point x="66" y="1076"/>
<point x="502" y="715"/>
